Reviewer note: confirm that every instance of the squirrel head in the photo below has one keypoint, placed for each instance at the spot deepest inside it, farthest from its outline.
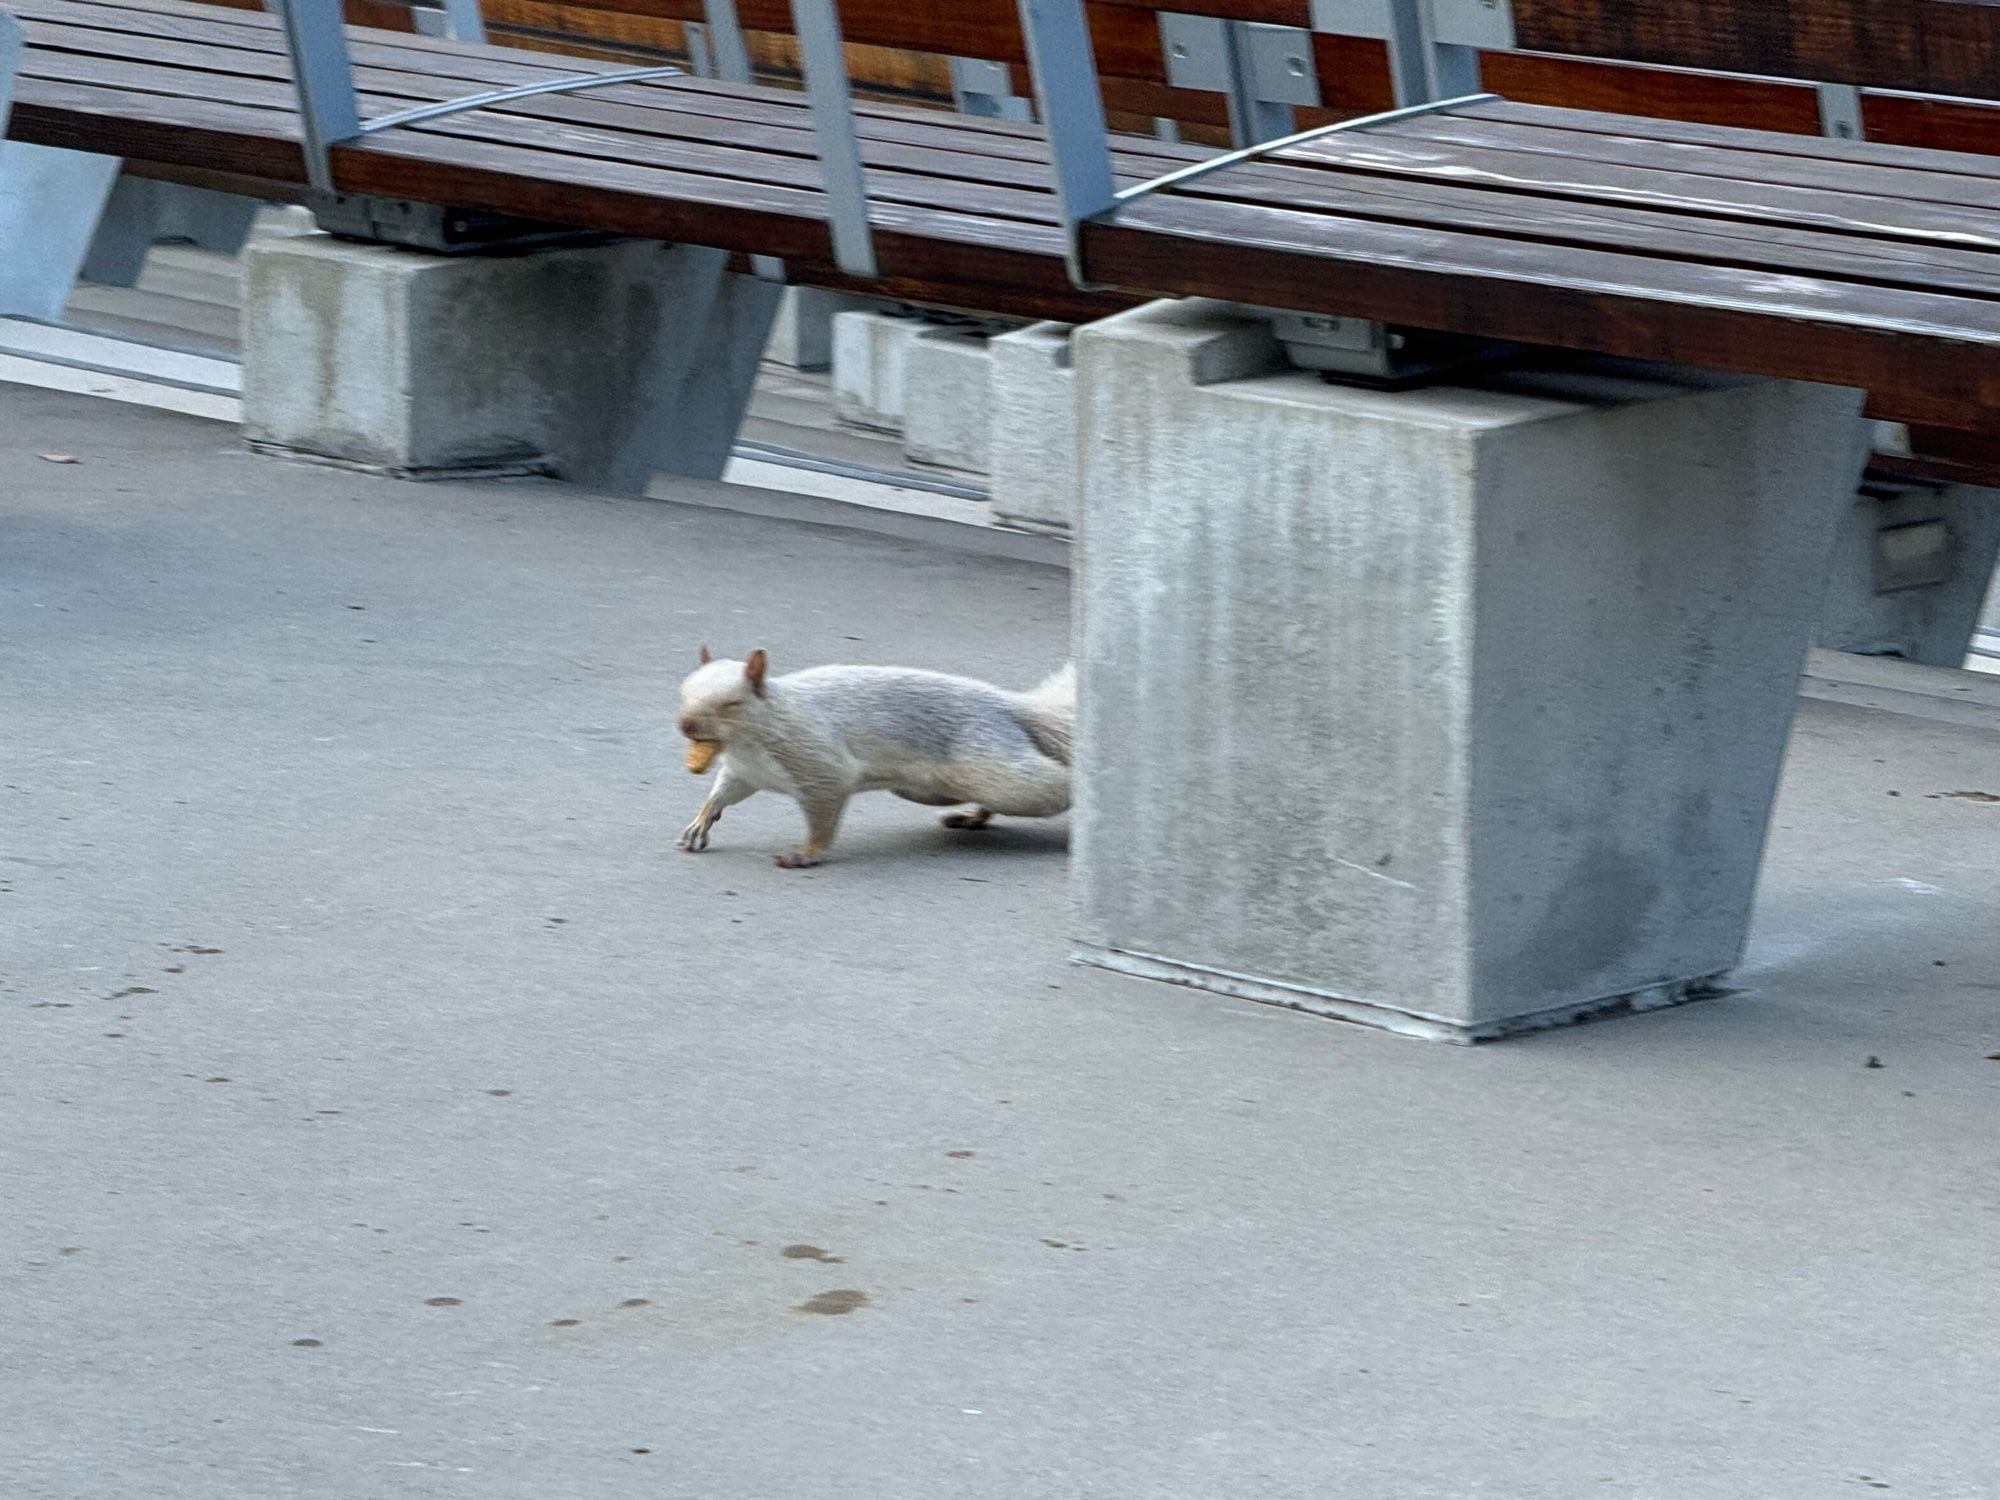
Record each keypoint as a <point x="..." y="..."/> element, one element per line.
<point x="717" y="695"/>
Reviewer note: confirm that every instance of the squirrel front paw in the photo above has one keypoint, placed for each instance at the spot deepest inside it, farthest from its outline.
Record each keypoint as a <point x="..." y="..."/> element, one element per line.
<point x="694" y="837"/>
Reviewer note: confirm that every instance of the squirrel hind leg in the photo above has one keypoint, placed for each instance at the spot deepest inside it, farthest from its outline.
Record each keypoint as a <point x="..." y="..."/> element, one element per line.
<point x="1039" y="788"/>
<point x="968" y="822"/>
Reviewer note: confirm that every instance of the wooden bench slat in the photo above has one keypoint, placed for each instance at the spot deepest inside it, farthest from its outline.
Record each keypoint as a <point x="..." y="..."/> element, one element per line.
<point x="1819" y="148"/>
<point x="1613" y="227"/>
<point x="1931" y="358"/>
<point x="1738" y="161"/>
<point x="1675" y="191"/>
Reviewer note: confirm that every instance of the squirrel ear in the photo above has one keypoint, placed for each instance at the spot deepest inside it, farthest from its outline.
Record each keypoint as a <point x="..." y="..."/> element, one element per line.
<point x="705" y="657"/>
<point x="754" y="670"/>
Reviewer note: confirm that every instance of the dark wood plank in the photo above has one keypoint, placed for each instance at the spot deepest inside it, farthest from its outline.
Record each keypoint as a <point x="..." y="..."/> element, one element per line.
<point x="1669" y="236"/>
<point x="1674" y="191"/>
<point x="1818" y="148"/>
<point x="1741" y="158"/>
<point x="1935" y="358"/>
<point x="1902" y="44"/>
<point x="1954" y="125"/>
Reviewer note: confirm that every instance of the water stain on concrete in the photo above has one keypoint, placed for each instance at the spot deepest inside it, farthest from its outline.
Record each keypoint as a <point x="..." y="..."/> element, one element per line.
<point x="834" y="1304"/>
<point x="810" y="1252"/>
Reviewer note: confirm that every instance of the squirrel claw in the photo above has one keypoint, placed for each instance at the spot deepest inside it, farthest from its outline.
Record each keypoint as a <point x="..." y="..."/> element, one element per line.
<point x="694" y="838"/>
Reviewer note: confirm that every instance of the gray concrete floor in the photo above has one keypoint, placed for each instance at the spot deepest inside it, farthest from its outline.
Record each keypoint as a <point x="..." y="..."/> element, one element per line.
<point x="389" y="1111"/>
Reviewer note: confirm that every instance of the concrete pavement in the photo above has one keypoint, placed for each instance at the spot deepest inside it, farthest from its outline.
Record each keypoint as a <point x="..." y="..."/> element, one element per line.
<point x="391" y="1112"/>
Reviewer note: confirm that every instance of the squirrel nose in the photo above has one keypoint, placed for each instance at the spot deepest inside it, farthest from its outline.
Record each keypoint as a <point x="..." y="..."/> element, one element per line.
<point x="690" y="729"/>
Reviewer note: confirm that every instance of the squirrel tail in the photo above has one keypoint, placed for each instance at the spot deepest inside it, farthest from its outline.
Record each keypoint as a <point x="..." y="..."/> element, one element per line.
<point x="1048" y="711"/>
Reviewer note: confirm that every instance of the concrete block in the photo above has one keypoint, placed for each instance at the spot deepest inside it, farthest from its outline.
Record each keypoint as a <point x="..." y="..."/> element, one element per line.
<point x="603" y="365"/>
<point x="1032" y="474"/>
<point x="802" y="332"/>
<point x="1457" y="711"/>
<point x="948" y="416"/>
<point x="871" y="367"/>
<point x="1910" y="570"/>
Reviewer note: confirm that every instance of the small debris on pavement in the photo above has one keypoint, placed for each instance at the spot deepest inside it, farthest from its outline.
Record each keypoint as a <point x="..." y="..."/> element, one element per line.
<point x="58" y="458"/>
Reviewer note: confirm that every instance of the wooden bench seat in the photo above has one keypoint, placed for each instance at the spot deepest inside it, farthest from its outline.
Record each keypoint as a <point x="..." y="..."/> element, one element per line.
<point x="1847" y="263"/>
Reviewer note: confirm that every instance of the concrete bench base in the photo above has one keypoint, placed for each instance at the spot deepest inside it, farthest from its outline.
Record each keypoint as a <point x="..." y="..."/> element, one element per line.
<point x="1033" y="473"/>
<point x="802" y="333"/>
<point x="1455" y="711"/>
<point x="603" y="365"/>
<point x="871" y="354"/>
<point x="948" y="405"/>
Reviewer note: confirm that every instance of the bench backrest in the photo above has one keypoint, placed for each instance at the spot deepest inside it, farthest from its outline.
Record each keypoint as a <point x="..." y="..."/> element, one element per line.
<point x="1765" y="60"/>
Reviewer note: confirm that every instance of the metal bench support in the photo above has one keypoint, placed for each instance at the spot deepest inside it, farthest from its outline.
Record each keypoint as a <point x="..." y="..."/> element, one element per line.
<point x="832" y="101"/>
<point x="1434" y="45"/>
<point x="986" y="89"/>
<point x="10" y="64"/>
<point x="50" y="200"/>
<point x="1262" y="71"/>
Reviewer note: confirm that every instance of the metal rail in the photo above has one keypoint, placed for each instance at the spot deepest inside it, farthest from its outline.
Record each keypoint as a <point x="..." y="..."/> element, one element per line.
<point x="1250" y="153"/>
<point x="571" y="85"/>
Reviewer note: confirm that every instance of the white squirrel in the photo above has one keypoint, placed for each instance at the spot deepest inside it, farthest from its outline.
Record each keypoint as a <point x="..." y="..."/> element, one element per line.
<point x="825" y="733"/>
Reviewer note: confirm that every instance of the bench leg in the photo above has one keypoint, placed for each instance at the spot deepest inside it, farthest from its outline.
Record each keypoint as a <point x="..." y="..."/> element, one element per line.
<point x="142" y="212"/>
<point x="1911" y="568"/>
<point x="50" y="202"/>
<point x="603" y="365"/>
<point x="1453" y="711"/>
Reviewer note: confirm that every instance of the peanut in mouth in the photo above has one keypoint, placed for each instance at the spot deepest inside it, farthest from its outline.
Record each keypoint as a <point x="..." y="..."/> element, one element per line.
<point x="700" y="753"/>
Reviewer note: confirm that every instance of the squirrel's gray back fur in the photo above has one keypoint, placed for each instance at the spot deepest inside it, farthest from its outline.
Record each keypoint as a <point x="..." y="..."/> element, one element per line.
<point x="930" y="713"/>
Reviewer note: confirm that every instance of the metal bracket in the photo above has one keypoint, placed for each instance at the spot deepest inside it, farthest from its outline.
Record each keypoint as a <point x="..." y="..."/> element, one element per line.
<point x="986" y="89"/>
<point x="455" y="20"/>
<point x="1840" y="112"/>
<point x="1262" y="70"/>
<point x="1365" y="352"/>
<point x="1434" y="45"/>
<point x="439" y="230"/>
